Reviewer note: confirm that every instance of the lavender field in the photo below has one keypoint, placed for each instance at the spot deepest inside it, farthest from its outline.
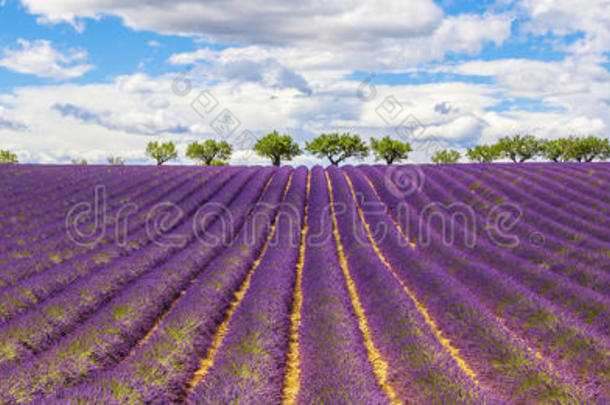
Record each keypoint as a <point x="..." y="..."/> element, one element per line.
<point x="486" y="283"/>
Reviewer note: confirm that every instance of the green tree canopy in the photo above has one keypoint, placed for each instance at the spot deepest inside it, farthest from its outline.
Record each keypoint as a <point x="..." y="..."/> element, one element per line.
<point x="483" y="153"/>
<point x="277" y="147"/>
<point x="7" y="156"/>
<point x="589" y="148"/>
<point x="559" y="150"/>
<point x="390" y="150"/>
<point x="161" y="153"/>
<point x="338" y="147"/>
<point x="446" y="156"/>
<point x="209" y="151"/>
<point x="78" y="161"/>
<point x="519" y="148"/>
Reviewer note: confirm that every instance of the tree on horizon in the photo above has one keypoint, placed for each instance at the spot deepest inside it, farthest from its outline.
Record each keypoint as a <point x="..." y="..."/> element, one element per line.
<point x="277" y="147"/>
<point x="161" y="153"/>
<point x="338" y="147"/>
<point x="390" y="150"/>
<point x="210" y="152"/>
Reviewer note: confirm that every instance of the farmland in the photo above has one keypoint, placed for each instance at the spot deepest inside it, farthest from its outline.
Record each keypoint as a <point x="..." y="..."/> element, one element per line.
<point x="361" y="284"/>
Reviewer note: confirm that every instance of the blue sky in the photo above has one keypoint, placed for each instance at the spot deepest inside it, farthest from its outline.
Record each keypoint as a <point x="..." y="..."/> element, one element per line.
<point x="93" y="79"/>
<point x="113" y="49"/>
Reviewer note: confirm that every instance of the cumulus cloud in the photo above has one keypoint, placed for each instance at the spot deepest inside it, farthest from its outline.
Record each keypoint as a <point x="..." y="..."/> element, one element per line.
<point x="268" y="72"/>
<point x="325" y="61"/>
<point x="12" y="125"/>
<point x="67" y="121"/>
<point x="95" y="120"/>
<point x="270" y="22"/>
<point x="140" y="124"/>
<point x="341" y="36"/>
<point x="8" y="121"/>
<point x="288" y="69"/>
<point x="445" y="108"/>
<point x="564" y="17"/>
<point x="459" y="130"/>
<point x="41" y="59"/>
<point x="578" y="85"/>
<point x="529" y="78"/>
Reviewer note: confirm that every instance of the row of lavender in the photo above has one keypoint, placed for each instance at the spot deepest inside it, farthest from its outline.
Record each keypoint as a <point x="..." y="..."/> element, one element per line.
<point x="309" y="303"/>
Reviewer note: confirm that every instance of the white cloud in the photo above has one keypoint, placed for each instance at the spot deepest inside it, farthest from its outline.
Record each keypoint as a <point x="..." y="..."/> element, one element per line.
<point x="289" y="74"/>
<point x="270" y="73"/>
<point x="96" y="120"/>
<point x="8" y="121"/>
<point x="467" y="33"/>
<point x="320" y="62"/>
<point x="271" y="21"/>
<point x="41" y="59"/>
<point x="131" y="122"/>
<point x="462" y="128"/>
<point x="563" y="17"/>
<point x="578" y="84"/>
<point x="312" y="34"/>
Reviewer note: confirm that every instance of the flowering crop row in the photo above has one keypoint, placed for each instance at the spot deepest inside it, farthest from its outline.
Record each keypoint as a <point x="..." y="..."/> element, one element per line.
<point x="366" y="285"/>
